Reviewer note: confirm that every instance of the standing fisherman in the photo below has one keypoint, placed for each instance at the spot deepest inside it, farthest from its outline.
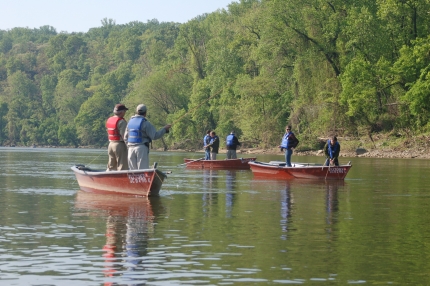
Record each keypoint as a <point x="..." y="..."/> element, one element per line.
<point x="231" y="142"/>
<point x="117" y="150"/>
<point x="138" y="135"/>
<point x="331" y="151"/>
<point x="206" y="141"/>
<point x="289" y="142"/>
<point x="214" y="144"/>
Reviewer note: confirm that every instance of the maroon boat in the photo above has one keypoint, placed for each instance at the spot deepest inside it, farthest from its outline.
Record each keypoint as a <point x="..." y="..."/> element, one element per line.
<point x="145" y="182"/>
<point x="269" y="170"/>
<point x="278" y="170"/>
<point x="240" y="163"/>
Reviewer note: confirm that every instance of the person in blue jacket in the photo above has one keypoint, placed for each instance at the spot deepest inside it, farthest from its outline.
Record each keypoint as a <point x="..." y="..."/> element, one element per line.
<point x="231" y="142"/>
<point x="206" y="142"/>
<point x="289" y="142"/>
<point x="331" y="151"/>
<point x="138" y="135"/>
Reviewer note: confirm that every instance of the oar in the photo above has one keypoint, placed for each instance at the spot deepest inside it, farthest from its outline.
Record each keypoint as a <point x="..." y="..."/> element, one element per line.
<point x="329" y="165"/>
<point x="191" y="161"/>
<point x="327" y="171"/>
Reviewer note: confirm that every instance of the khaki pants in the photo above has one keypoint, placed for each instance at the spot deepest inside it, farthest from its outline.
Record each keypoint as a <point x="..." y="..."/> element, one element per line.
<point x="213" y="156"/>
<point x="117" y="151"/>
<point x="138" y="157"/>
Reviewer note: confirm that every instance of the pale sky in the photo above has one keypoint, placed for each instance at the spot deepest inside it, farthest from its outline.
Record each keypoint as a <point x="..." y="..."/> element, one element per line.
<point x="81" y="15"/>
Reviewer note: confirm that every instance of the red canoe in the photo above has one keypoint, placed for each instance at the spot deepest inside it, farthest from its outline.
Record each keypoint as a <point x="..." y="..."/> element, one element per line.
<point x="241" y="163"/>
<point x="146" y="182"/>
<point x="299" y="170"/>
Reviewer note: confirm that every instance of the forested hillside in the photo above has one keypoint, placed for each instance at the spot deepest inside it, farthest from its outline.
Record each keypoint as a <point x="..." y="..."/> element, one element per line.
<point x="349" y="67"/>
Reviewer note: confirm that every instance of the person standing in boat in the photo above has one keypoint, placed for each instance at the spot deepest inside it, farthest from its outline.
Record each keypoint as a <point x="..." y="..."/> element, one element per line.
<point x="117" y="150"/>
<point x="331" y="151"/>
<point x="289" y="142"/>
<point x="214" y="145"/>
<point x="206" y="142"/>
<point x="138" y="135"/>
<point x="232" y="142"/>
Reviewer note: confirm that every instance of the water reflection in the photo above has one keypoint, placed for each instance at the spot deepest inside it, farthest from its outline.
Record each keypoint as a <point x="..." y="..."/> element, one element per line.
<point x="332" y="203"/>
<point x="129" y="223"/>
<point x="286" y="201"/>
<point x="230" y="184"/>
<point x="210" y="190"/>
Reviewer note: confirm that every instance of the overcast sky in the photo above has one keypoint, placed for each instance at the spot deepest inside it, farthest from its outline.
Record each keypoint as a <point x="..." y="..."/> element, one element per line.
<point x="81" y="15"/>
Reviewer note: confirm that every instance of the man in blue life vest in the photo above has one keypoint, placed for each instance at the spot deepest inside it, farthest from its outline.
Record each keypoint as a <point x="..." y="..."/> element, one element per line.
<point x="138" y="135"/>
<point x="289" y="142"/>
<point x="206" y="142"/>
<point x="117" y="150"/>
<point x="331" y="151"/>
<point x="231" y="142"/>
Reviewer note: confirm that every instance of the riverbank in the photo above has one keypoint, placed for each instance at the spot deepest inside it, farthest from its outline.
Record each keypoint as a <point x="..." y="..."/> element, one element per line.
<point x="382" y="153"/>
<point x="360" y="152"/>
<point x="380" y="146"/>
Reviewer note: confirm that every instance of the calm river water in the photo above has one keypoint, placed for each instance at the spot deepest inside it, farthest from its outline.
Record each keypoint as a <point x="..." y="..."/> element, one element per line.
<point x="213" y="227"/>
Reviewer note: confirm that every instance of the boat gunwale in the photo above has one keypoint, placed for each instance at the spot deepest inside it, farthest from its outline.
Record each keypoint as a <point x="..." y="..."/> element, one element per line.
<point x="93" y="172"/>
<point x="256" y="163"/>
<point x="251" y="159"/>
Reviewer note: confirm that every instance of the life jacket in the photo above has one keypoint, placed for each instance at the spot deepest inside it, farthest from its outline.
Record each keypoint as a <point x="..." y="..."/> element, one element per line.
<point x="332" y="149"/>
<point x="284" y="143"/>
<point x="229" y="140"/>
<point x="206" y="140"/>
<point x="112" y="128"/>
<point x="134" y="129"/>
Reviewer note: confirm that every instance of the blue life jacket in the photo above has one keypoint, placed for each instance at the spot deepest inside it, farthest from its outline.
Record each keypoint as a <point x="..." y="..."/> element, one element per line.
<point x="229" y="140"/>
<point x="332" y="149"/>
<point x="206" y="140"/>
<point x="284" y="143"/>
<point x="134" y="130"/>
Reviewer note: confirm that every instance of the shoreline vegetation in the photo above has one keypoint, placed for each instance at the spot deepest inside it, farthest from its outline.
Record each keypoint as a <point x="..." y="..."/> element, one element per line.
<point x="380" y="146"/>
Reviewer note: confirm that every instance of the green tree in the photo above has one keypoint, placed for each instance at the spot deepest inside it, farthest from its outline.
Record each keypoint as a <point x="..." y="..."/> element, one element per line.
<point x="412" y="73"/>
<point x="23" y="108"/>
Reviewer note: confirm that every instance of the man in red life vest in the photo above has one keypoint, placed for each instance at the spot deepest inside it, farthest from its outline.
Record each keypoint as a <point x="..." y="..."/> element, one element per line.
<point x="117" y="149"/>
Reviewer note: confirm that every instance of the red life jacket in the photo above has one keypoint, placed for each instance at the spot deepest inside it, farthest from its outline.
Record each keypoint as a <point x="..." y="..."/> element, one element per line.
<point x="112" y="128"/>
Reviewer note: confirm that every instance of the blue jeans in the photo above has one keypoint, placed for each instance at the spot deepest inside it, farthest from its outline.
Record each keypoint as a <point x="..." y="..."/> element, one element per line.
<point x="207" y="154"/>
<point x="288" y="153"/>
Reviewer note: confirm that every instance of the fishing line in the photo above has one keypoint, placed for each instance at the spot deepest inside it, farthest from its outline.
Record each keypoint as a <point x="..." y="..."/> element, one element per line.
<point x="94" y="159"/>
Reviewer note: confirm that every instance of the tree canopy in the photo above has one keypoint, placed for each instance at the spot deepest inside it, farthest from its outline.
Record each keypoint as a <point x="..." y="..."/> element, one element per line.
<point x="326" y="67"/>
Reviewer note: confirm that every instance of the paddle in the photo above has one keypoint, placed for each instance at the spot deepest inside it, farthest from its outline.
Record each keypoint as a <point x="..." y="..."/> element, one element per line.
<point x="330" y="164"/>
<point x="191" y="161"/>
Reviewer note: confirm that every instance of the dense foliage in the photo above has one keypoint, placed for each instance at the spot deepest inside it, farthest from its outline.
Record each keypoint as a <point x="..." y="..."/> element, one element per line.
<point x="344" y="67"/>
